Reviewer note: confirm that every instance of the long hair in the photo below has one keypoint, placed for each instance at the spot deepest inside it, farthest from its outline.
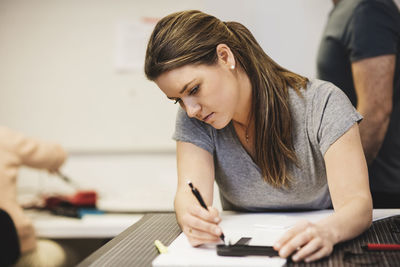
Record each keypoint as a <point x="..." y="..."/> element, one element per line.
<point x="191" y="37"/>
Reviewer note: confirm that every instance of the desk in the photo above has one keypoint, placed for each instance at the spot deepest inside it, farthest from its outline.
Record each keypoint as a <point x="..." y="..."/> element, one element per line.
<point x="101" y="226"/>
<point x="135" y="247"/>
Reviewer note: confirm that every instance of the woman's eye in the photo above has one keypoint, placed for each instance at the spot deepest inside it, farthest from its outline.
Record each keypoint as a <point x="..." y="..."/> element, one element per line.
<point x="194" y="90"/>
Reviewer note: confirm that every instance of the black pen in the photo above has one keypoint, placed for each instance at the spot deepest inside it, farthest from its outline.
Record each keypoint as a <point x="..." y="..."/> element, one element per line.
<point x="66" y="179"/>
<point x="196" y="193"/>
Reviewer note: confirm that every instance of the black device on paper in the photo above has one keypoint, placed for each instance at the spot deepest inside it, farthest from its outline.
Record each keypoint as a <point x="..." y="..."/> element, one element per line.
<point x="241" y="249"/>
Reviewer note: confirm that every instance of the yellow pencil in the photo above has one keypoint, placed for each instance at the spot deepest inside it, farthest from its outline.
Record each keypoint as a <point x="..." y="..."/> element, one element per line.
<point x="160" y="246"/>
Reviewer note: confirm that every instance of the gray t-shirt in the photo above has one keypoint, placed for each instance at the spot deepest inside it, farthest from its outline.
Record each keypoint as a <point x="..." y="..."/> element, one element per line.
<point x="320" y="116"/>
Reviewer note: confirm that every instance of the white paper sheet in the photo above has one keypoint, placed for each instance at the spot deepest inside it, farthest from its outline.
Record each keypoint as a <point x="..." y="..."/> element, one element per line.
<point x="263" y="228"/>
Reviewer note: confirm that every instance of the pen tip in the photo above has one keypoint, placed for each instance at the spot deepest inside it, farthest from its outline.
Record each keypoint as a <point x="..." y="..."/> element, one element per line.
<point x="190" y="184"/>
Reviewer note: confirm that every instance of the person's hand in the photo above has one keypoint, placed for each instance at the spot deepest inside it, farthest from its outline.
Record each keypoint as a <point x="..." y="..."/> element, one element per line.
<point x="305" y="241"/>
<point x="201" y="225"/>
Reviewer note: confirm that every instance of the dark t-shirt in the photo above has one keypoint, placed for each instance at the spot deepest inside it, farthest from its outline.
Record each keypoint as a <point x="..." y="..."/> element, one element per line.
<point x="359" y="29"/>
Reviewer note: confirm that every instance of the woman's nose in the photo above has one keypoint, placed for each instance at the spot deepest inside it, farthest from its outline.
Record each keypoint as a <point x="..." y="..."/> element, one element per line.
<point x="192" y="107"/>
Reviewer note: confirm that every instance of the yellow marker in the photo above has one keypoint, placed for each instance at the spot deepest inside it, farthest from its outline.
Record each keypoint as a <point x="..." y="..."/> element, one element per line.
<point x="160" y="246"/>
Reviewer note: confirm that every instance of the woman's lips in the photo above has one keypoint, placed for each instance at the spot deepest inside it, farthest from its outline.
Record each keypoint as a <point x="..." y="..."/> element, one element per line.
<point x="208" y="117"/>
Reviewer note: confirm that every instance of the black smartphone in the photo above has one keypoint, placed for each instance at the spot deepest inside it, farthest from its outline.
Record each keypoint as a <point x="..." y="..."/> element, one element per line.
<point x="246" y="250"/>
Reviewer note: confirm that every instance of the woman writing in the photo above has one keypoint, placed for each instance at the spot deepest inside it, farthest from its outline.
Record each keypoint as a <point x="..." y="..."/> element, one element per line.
<point x="271" y="139"/>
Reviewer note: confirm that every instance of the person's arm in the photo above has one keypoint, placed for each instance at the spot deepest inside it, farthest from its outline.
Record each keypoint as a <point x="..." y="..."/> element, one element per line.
<point x="32" y="152"/>
<point x="373" y="81"/>
<point x="196" y="165"/>
<point x="349" y="189"/>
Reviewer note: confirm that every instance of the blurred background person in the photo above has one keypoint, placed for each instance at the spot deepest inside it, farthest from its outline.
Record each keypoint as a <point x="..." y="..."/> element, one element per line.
<point x="17" y="150"/>
<point x="359" y="52"/>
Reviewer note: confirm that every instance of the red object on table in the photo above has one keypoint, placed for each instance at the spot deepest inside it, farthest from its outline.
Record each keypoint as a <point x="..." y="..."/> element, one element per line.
<point x="81" y="198"/>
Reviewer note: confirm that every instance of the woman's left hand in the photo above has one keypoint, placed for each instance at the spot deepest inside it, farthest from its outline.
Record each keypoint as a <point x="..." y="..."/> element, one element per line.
<point x="305" y="241"/>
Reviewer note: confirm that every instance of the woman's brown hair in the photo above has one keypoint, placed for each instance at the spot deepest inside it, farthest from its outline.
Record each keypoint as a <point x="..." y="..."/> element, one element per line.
<point x="191" y="37"/>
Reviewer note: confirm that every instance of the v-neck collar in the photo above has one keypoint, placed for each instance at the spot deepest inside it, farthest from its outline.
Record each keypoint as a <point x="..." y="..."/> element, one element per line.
<point x="239" y="144"/>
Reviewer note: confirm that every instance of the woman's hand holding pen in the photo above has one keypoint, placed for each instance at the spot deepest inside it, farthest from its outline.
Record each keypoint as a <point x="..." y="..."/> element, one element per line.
<point x="201" y="225"/>
<point x="306" y="241"/>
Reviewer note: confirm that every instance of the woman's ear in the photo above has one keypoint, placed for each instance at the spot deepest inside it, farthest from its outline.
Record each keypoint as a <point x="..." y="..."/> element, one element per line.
<point x="225" y="56"/>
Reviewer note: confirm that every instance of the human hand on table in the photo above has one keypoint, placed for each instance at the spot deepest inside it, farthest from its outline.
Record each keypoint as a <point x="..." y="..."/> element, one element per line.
<point x="201" y="225"/>
<point x="305" y="241"/>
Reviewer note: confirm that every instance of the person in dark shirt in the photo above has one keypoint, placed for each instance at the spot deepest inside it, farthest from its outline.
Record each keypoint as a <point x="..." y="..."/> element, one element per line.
<point x="360" y="53"/>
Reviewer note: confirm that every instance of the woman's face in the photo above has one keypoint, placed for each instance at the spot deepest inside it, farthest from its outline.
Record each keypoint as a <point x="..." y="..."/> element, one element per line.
<point x="207" y="93"/>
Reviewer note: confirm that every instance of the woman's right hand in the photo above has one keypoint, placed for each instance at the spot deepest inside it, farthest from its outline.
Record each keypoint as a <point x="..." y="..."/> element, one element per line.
<point x="201" y="225"/>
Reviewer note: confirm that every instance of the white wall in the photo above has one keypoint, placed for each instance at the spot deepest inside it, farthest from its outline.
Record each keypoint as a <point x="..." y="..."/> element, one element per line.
<point x="58" y="82"/>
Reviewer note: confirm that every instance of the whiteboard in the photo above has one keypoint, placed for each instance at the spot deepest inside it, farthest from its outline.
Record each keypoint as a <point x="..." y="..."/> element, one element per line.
<point x="59" y="81"/>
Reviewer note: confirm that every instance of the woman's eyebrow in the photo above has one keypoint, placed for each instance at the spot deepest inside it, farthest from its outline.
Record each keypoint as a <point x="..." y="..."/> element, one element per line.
<point x="183" y="89"/>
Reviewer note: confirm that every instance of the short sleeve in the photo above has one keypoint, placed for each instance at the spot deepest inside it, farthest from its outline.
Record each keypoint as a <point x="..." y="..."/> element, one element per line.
<point x="193" y="131"/>
<point x="333" y="115"/>
<point x="372" y="31"/>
